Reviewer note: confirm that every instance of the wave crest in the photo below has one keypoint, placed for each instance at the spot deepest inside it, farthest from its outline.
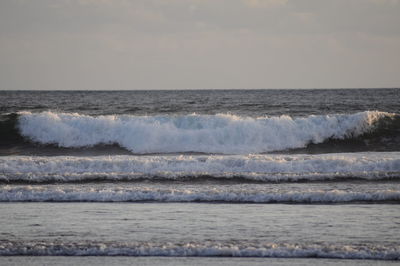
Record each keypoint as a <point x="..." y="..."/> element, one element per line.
<point x="228" y="134"/>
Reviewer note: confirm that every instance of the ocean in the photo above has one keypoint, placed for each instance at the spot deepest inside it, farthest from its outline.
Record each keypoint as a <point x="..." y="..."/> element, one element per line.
<point x="199" y="177"/>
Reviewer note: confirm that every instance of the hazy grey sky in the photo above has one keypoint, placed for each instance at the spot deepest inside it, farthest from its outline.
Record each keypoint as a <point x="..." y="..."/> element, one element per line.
<point x="194" y="44"/>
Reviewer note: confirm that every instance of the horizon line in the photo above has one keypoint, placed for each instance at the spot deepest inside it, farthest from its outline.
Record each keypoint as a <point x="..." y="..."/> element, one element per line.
<point x="210" y="89"/>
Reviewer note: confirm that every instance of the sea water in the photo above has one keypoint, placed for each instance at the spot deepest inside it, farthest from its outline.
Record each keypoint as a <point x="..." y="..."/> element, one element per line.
<point x="200" y="177"/>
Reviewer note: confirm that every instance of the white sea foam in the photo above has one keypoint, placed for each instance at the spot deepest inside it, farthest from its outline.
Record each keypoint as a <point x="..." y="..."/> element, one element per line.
<point x="202" y="249"/>
<point x="221" y="133"/>
<point x="200" y="194"/>
<point x="269" y="168"/>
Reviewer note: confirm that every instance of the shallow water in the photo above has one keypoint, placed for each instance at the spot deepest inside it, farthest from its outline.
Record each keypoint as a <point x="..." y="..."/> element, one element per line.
<point x="180" y="229"/>
<point x="178" y="261"/>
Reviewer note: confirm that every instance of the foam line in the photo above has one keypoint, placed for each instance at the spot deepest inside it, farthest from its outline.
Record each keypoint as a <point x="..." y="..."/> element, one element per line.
<point x="206" y="249"/>
<point x="268" y="168"/>
<point x="222" y="194"/>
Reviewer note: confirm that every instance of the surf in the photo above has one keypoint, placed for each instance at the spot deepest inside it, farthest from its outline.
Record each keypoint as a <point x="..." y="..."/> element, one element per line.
<point x="200" y="249"/>
<point x="221" y="133"/>
<point x="253" y="167"/>
<point x="216" y="194"/>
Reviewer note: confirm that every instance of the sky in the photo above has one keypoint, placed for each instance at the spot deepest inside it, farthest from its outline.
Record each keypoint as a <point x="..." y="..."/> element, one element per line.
<point x="199" y="44"/>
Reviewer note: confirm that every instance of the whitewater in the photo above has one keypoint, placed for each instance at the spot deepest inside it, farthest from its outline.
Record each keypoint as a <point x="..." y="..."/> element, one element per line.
<point x="220" y="133"/>
<point x="275" y="250"/>
<point x="267" y="168"/>
<point x="263" y="174"/>
<point x="209" y="193"/>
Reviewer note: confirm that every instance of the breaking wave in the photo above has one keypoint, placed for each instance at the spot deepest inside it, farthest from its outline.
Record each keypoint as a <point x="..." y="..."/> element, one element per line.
<point x="222" y="133"/>
<point x="216" y="194"/>
<point x="200" y="249"/>
<point x="262" y="168"/>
